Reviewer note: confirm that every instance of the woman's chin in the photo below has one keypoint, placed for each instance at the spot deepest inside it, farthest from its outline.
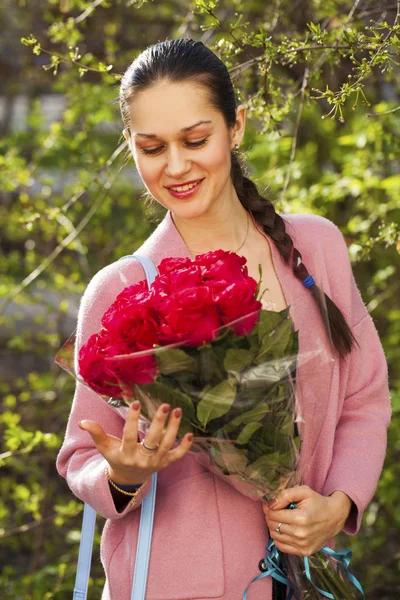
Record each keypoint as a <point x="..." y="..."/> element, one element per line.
<point x="188" y="210"/>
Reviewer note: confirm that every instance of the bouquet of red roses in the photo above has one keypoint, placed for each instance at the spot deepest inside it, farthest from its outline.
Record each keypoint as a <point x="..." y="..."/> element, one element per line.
<point x="199" y="339"/>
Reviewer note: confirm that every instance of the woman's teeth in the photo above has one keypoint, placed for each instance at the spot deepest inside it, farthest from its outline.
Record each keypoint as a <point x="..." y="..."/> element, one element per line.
<point x="184" y="188"/>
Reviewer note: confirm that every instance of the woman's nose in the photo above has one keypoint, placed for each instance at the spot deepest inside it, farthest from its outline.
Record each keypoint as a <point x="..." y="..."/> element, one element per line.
<point x="177" y="163"/>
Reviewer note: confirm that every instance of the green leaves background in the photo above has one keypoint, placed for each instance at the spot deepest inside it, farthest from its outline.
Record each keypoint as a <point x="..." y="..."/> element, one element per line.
<point x="68" y="206"/>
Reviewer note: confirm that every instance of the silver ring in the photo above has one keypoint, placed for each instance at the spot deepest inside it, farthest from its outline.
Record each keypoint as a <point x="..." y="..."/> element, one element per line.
<point x="151" y="448"/>
<point x="278" y="528"/>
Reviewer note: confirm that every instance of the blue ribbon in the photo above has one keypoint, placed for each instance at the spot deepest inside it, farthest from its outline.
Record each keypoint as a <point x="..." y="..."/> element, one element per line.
<point x="273" y="563"/>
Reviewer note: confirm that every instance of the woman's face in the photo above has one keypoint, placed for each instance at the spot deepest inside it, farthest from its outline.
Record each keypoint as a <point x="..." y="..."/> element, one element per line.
<point x="181" y="146"/>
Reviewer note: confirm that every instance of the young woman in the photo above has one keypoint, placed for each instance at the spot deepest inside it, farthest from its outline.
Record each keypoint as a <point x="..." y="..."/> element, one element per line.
<point x="184" y="128"/>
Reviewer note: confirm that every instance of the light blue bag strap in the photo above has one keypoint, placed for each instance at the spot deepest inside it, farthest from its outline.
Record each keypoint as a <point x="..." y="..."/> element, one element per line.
<point x="144" y="543"/>
<point x="85" y="553"/>
<point x="146" y="517"/>
<point x="149" y="267"/>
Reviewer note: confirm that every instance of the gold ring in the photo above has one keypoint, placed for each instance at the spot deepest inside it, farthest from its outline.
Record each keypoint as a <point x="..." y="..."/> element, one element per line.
<point x="278" y="528"/>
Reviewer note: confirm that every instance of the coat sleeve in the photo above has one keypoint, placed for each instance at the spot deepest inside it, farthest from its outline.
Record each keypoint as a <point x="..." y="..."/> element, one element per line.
<point x="78" y="459"/>
<point x="361" y="432"/>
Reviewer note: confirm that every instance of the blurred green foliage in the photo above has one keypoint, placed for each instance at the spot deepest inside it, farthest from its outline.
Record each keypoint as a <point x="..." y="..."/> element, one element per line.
<point x="321" y="84"/>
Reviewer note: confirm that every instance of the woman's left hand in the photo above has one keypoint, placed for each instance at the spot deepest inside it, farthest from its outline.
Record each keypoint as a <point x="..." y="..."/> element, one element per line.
<point x="307" y="528"/>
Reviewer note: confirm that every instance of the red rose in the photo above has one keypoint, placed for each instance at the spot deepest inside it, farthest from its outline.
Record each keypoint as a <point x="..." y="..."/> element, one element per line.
<point x="137" y="367"/>
<point x="165" y="285"/>
<point x="238" y="300"/>
<point x="133" y="294"/>
<point x="222" y="266"/>
<point x="133" y="323"/>
<point x="169" y="265"/>
<point x="91" y="359"/>
<point x="189" y="316"/>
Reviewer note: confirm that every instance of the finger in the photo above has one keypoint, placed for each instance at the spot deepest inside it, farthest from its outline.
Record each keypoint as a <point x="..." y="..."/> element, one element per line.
<point x="296" y="517"/>
<point x="130" y="431"/>
<point x="181" y="449"/>
<point x="283" y="538"/>
<point x="295" y="494"/>
<point x="172" y="430"/>
<point x="289" y="549"/>
<point x="96" y="432"/>
<point x="285" y="529"/>
<point x="155" y="432"/>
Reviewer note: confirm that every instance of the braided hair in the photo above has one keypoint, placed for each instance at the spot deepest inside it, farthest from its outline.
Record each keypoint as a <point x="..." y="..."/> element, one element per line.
<point x="273" y="225"/>
<point x="186" y="59"/>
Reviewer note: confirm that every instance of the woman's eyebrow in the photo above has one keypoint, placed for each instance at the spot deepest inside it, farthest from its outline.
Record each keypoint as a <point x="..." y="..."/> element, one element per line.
<point x="183" y="130"/>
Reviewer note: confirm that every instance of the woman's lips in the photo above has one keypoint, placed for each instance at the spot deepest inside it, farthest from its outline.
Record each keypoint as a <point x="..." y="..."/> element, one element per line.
<point x="176" y="193"/>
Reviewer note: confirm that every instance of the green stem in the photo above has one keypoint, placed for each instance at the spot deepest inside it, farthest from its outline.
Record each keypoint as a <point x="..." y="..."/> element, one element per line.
<point x="330" y="580"/>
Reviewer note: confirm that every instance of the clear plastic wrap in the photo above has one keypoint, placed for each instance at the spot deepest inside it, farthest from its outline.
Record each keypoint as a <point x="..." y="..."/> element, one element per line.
<point x="236" y="380"/>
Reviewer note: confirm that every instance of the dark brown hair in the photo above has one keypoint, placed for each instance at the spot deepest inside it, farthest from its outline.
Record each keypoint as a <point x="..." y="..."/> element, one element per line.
<point x="185" y="59"/>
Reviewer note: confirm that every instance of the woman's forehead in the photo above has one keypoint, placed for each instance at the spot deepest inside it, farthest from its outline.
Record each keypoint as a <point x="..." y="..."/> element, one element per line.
<point x="171" y="108"/>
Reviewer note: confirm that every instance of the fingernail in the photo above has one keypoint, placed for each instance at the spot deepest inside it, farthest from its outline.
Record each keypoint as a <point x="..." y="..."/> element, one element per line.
<point x="165" y="408"/>
<point x="178" y="412"/>
<point x="190" y="437"/>
<point x="272" y="503"/>
<point x="136" y="405"/>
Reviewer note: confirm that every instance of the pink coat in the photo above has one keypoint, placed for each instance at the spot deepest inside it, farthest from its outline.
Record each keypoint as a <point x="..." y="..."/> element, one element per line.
<point x="208" y="539"/>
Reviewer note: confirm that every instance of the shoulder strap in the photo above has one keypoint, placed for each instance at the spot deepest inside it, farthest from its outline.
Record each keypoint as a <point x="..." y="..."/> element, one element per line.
<point x="144" y="543"/>
<point x="85" y="553"/>
<point x="148" y="266"/>
<point x="146" y="517"/>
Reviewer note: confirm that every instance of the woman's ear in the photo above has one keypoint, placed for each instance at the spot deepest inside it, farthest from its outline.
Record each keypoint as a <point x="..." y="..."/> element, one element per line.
<point x="126" y="133"/>
<point x="239" y="126"/>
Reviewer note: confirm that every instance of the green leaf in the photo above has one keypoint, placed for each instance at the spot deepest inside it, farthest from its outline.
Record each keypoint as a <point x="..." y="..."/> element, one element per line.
<point x="160" y="392"/>
<point x="237" y="360"/>
<point x="269" y="320"/>
<point x="266" y="466"/>
<point x="247" y="432"/>
<point x="276" y="341"/>
<point x="217" y="401"/>
<point x="255" y="414"/>
<point x="228" y="457"/>
<point x="29" y="41"/>
<point x="208" y="365"/>
<point x="173" y="360"/>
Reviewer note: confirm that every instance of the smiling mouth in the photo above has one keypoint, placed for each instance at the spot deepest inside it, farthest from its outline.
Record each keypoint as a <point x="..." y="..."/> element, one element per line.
<point x="185" y="187"/>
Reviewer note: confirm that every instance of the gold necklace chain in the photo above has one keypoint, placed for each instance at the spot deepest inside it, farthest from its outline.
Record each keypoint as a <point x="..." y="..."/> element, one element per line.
<point x="192" y="251"/>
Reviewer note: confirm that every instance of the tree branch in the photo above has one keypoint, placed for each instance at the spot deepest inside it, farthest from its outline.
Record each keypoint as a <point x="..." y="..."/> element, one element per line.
<point x="68" y="59"/>
<point x="26" y="527"/>
<point x="86" y="13"/>
<point x="386" y="112"/>
<point x="296" y="133"/>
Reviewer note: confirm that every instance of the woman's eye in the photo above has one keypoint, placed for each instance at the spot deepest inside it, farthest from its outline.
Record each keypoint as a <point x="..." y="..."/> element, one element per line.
<point x="153" y="151"/>
<point x="196" y="144"/>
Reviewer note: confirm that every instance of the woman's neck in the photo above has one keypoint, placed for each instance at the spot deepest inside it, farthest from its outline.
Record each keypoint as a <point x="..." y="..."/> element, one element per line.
<point x="226" y="228"/>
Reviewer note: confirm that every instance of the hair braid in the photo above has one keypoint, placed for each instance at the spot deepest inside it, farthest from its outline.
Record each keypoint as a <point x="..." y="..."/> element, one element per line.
<point x="273" y="224"/>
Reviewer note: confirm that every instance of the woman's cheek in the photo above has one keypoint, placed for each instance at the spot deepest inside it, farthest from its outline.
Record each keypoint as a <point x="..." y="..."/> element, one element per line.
<point x="148" y="173"/>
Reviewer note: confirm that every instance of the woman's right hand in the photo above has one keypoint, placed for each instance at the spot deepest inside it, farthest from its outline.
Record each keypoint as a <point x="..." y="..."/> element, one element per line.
<point x="130" y="463"/>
